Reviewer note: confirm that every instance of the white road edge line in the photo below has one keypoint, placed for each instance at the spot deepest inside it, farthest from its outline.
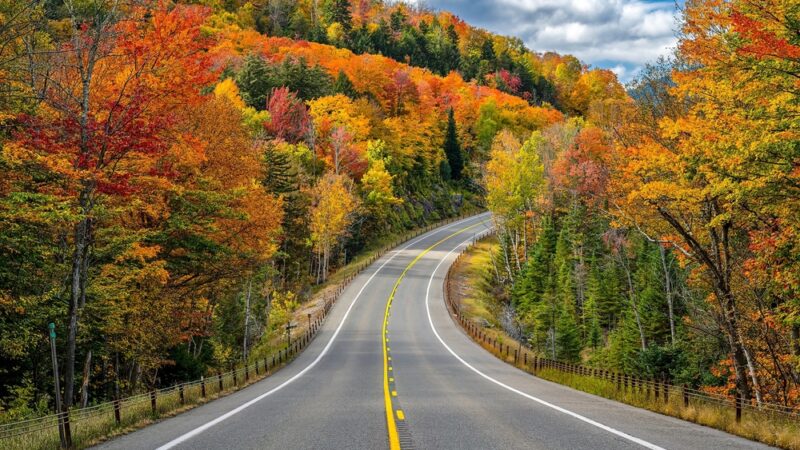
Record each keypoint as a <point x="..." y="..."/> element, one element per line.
<point x="207" y="425"/>
<point x="621" y="434"/>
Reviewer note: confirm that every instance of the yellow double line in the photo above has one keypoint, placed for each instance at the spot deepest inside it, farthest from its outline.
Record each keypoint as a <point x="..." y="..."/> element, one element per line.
<point x="391" y="422"/>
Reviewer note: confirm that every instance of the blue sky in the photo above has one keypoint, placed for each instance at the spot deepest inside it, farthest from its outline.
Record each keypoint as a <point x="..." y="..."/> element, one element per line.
<point x="621" y="35"/>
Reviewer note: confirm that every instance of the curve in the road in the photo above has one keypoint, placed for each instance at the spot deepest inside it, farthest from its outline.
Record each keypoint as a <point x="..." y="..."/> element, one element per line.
<point x="389" y="392"/>
<point x="186" y="436"/>
<point x="634" y="439"/>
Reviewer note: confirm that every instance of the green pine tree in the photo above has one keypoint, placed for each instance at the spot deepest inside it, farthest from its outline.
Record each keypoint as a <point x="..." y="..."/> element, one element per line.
<point x="344" y="86"/>
<point x="279" y="175"/>
<point x="255" y="81"/>
<point x="568" y="341"/>
<point x="339" y="11"/>
<point x="452" y="148"/>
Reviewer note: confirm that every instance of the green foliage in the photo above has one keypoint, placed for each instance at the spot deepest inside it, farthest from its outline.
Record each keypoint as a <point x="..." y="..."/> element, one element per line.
<point x="344" y="86"/>
<point x="452" y="148"/>
<point x="279" y="175"/>
<point x="257" y="78"/>
<point x="254" y="81"/>
<point x="338" y="11"/>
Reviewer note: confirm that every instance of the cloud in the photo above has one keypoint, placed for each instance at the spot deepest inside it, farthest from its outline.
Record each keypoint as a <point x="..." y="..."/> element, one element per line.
<point x="621" y="35"/>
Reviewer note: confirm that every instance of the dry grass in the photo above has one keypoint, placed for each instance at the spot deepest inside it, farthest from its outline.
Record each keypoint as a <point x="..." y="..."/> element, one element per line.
<point x="770" y="428"/>
<point x="94" y="425"/>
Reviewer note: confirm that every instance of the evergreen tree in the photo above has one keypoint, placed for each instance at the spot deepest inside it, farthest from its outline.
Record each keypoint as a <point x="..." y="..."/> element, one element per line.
<point x="652" y="303"/>
<point x="344" y="86"/>
<point x="452" y="148"/>
<point x="309" y="82"/>
<point x="279" y="176"/>
<point x="594" y="334"/>
<point x="568" y="340"/>
<point x="338" y="11"/>
<point x="255" y="81"/>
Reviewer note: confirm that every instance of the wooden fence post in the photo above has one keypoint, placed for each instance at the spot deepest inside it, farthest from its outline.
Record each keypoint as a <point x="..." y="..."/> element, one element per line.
<point x="153" y="401"/>
<point x="67" y="428"/>
<point x="117" y="415"/>
<point x="738" y="405"/>
<point x="685" y="397"/>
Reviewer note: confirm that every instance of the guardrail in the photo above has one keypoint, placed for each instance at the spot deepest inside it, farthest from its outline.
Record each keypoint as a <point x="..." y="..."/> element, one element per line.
<point x="81" y="426"/>
<point x="661" y="389"/>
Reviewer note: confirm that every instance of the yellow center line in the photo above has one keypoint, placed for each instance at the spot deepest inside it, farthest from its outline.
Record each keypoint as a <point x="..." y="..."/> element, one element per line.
<point x="394" y="438"/>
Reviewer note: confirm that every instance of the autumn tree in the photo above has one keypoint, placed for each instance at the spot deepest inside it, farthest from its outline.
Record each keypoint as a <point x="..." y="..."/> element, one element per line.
<point x="514" y="183"/>
<point x="333" y="207"/>
<point x="104" y="131"/>
<point x="289" y="119"/>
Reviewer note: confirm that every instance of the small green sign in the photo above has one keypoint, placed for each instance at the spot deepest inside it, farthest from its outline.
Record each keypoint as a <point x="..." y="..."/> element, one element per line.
<point x="52" y="328"/>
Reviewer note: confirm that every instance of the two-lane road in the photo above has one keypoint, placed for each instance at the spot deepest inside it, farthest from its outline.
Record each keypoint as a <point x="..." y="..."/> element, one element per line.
<point x="377" y="376"/>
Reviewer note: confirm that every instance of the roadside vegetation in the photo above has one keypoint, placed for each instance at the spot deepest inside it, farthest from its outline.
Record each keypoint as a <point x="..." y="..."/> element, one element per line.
<point x="179" y="178"/>
<point x="473" y="288"/>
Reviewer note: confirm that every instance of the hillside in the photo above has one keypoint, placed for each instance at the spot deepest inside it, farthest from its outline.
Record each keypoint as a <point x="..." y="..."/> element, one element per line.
<point x="177" y="179"/>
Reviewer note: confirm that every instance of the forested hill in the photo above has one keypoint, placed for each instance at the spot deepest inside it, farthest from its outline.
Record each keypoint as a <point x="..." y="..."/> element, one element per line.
<point x="438" y="41"/>
<point x="174" y="183"/>
<point x="176" y="179"/>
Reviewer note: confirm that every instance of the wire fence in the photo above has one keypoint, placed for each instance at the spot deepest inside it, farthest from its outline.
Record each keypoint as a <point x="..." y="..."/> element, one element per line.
<point x="80" y="427"/>
<point x="648" y="389"/>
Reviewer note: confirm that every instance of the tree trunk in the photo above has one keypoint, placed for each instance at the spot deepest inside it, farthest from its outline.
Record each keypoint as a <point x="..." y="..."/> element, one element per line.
<point x="753" y="375"/>
<point x="634" y="306"/>
<point x="87" y="365"/>
<point x="737" y="348"/>
<point x="504" y="246"/>
<point x="77" y="299"/>
<point x="246" y="318"/>
<point x="668" y="293"/>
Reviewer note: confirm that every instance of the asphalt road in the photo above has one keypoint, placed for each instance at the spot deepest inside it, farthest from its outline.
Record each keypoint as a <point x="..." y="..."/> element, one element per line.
<point x="423" y="383"/>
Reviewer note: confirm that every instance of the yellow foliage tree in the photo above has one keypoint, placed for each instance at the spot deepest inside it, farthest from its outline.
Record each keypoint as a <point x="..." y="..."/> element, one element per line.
<point x="332" y="211"/>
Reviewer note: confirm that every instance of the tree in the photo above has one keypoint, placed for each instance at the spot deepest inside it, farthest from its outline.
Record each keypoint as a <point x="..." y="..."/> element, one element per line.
<point x="254" y="81"/>
<point x="109" y="130"/>
<point x="332" y="211"/>
<point x="452" y="148"/>
<point x="514" y="182"/>
<point x="344" y="86"/>
<point x="338" y="11"/>
<point x="289" y="119"/>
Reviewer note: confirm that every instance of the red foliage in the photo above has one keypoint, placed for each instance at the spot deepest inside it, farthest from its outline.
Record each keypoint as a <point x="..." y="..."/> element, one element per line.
<point x="511" y="82"/>
<point x="158" y="65"/>
<point x="763" y="43"/>
<point x="289" y="119"/>
<point x="582" y="167"/>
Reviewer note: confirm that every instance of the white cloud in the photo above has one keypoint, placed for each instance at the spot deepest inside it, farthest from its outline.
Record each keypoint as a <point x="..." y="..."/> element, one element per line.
<point x="621" y="35"/>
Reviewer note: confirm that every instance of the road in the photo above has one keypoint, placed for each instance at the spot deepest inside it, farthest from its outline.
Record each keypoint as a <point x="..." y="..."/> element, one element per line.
<point x="379" y="376"/>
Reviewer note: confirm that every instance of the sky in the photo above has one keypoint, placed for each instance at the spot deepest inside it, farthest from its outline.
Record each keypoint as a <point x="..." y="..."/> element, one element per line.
<point x="621" y="35"/>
